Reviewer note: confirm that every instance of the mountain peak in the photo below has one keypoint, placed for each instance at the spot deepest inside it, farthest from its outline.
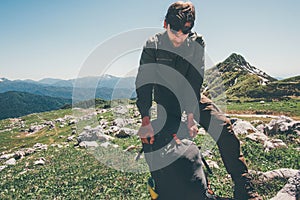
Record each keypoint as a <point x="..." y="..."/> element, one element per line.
<point x="236" y="62"/>
<point x="237" y="59"/>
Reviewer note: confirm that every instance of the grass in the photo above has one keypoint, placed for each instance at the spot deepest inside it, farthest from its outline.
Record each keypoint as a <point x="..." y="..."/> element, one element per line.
<point x="289" y="107"/>
<point x="74" y="173"/>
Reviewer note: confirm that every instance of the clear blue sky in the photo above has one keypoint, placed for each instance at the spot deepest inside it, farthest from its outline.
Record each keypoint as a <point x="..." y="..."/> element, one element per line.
<point x="46" y="38"/>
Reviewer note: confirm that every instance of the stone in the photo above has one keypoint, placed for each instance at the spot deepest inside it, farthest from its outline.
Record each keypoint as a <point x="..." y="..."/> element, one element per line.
<point x="125" y="132"/>
<point x="136" y="114"/>
<point x="258" y="137"/>
<point x="94" y="134"/>
<point x="35" y="128"/>
<point x="108" y="144"/>
<point x="282" y="125"/>
<point x="284" y="173"/>
<point x="50" y="124"/>
<point x="241" y="127"/>
<point x="41" y="161"/>
<point x="39" y="146"/>
<point x="11" y="161"/>
<point x="274" y="143"/>
<point x="212" y="164"/>
<point x="291" y="191"/>
<point x="88" y="144"/>
<point x="70" y="138"/>
<point x="6" y="156"/>
<point x="120" y="110"/>
<point x="113" y="129"/>
<point x="2" y="167"/>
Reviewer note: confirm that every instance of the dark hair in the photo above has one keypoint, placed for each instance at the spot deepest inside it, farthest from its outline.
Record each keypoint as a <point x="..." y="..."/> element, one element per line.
<point x="179" y="13"/>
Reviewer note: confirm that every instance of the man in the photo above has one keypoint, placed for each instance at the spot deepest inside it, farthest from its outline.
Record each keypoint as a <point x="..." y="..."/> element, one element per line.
<point x="171" y="69"/>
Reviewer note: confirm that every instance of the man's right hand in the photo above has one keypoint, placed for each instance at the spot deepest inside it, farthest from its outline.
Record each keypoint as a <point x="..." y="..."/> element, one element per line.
<point x="146" y="131"/>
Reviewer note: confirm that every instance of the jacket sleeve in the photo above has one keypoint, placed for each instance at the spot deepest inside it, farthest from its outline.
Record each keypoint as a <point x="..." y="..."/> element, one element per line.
<point x="145" y="80"/>
<point x="195" y="75"/>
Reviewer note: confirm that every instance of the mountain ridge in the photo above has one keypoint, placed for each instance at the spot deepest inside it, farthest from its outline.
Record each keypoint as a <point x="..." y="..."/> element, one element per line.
<point x="16" y="104"/>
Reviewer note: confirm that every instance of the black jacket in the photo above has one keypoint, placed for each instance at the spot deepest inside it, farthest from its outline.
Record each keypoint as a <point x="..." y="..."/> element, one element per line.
<point x="172" y="75"/>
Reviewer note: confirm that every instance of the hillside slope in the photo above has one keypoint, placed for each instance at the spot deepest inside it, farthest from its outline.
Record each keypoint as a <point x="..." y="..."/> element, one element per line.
<point x="16" y="104"/>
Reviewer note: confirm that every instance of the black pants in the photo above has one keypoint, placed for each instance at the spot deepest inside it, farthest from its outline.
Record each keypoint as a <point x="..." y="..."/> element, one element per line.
<point x="177" y="168"/>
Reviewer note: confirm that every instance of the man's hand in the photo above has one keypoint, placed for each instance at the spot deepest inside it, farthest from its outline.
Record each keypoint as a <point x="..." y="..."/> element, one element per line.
<point x="146" y="131"/>
<point x="192" y="127"/>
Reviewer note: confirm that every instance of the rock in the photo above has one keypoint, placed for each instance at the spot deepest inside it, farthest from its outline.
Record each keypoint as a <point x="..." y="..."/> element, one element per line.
<point x="113" y="129"/>
<point x="268" y="143"/>
<point x="260" y="128"/>
<point x="119" y="122"/>
<point x="72" y="121"/>
<point x="70" y="138"/>
<point x="59" y="120"/>
<point x="94" y="134"/>
<point x="88" y="144"/>
<point x="120" y="110"/>
<point x="6" y="156"/>
<point x="2" y="167"/>
<point x="243" y="127"/>
<point x="284" y="173"/>
<point x="291" y="190"/>
<point x="125" y="132"/>
<point x="35" y="128"/>
<point x="39" y="146"/>
<point x="136" y="114"/>
<point x="73" y="132"/>
<point x="282" y="125"/>
<point x="41" y="161"/>
<point x="19" y="154"/>
<point x="258" y="137"/>
<point x="274" y="143"/>
<point x="50" y="124"/>
<point x="212" y="164"/>
<point x="103" y="122"/>
<point x="108" y="144"/>
<point x="11" y="161"/>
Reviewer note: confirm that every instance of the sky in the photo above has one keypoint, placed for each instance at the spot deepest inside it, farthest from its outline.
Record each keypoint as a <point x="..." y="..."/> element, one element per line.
<point x="53" y="39"/>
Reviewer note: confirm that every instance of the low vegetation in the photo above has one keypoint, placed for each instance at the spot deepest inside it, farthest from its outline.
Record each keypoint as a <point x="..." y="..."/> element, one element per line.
<point x="74" y="173"/>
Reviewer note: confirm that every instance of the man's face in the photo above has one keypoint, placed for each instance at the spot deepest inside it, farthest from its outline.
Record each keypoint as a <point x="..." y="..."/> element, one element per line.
<point x="176" y="37"/>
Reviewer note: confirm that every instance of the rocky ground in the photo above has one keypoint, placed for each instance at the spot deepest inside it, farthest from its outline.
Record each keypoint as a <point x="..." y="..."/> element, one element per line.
<point x="93" y="129"/>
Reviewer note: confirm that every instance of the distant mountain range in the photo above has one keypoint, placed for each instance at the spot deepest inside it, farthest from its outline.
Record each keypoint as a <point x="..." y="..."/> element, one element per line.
<point x="106" y="87"/>
<point x="234" y="79"/>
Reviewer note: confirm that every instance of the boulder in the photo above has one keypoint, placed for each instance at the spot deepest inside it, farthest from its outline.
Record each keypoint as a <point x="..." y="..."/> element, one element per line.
<point x="282" y="125"/>
<point x="278" y="173"/>
<point x="94" y="134"/>
<point x="291" y="191"/>
<point x="258" y="137"/>
<point x="243" y="127"/>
